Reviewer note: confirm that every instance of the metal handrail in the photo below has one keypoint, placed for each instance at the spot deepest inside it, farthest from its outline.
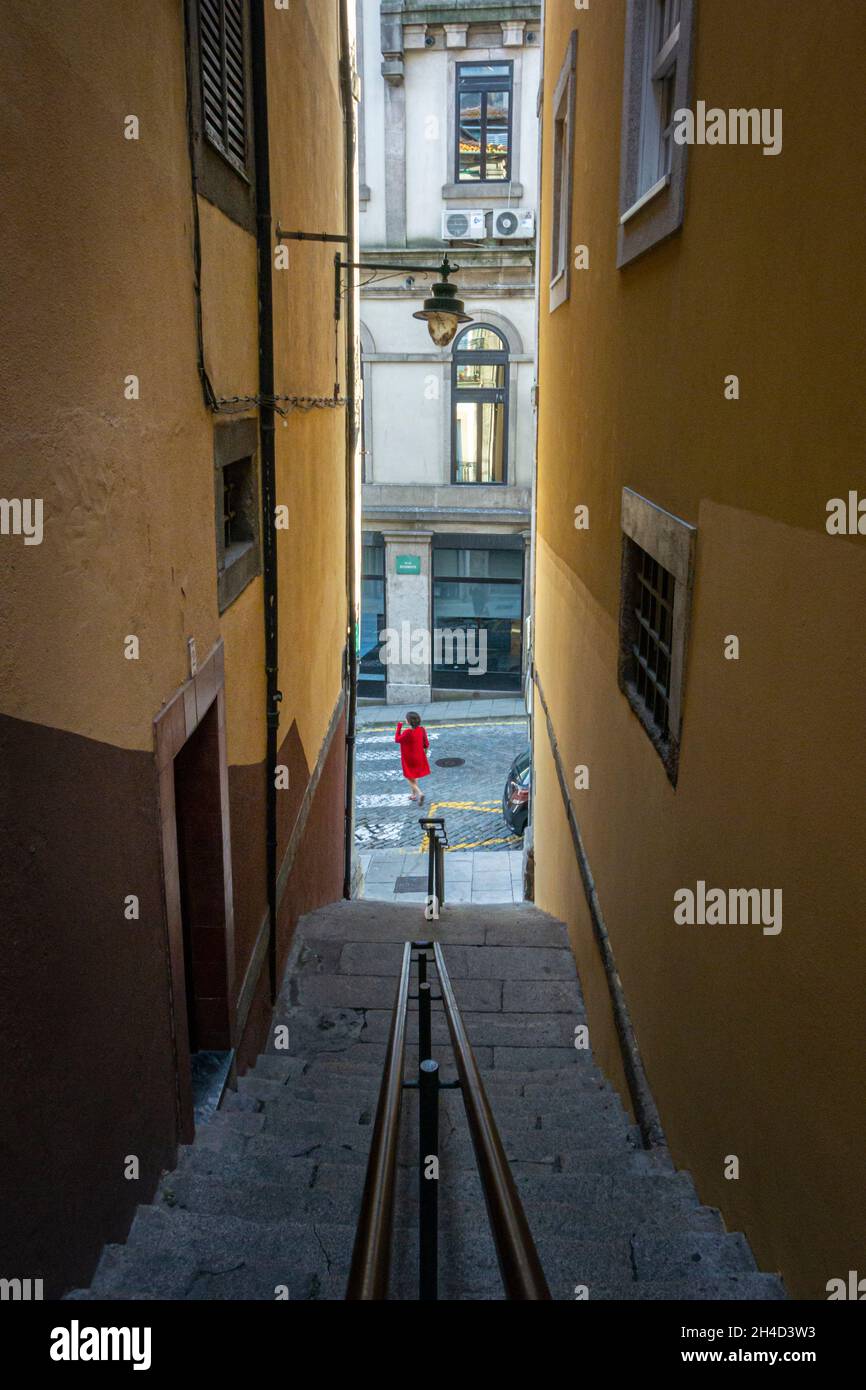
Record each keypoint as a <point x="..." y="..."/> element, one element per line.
<point x="371" y="1256"/>
<point x="437" y="843"/>
<point x="520" y="1267"/>
<point x="519" y="1264"/>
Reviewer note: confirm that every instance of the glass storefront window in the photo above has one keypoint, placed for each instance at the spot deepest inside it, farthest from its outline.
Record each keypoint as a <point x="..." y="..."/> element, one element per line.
<point x="371" y="671"/>
<point x="478" y="615"/>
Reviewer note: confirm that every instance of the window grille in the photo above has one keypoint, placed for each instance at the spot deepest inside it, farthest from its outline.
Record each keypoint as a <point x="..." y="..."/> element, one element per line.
<point x="652" y="645"/>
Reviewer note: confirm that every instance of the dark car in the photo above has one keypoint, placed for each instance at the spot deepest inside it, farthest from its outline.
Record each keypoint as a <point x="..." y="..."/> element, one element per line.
<point x="515" y="798"/>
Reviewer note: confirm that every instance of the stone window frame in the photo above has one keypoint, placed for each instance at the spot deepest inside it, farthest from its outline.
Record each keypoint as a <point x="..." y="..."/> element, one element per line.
<point x="483" y="194"/>
<point x="368" y="351"/>
<point x="564" y="112"/>
<point x="672" y="542"/>
<point x="516" y="353"/>
<point x="215" y="177"/>
<point x="649" y="216"/>
<point x="484" y="92"/>
<point x="364" y="194"/>
<point x="502" y="358"/>
<point x="234" y="442"/>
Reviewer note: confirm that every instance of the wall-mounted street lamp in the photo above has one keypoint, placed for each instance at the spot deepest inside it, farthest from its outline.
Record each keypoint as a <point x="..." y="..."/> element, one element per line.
<point x="443" y="311"/>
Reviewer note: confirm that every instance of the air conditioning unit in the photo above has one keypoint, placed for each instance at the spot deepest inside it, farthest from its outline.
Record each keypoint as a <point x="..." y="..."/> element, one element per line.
<point x="464" y="226"/>
<point x="514" y="224"/>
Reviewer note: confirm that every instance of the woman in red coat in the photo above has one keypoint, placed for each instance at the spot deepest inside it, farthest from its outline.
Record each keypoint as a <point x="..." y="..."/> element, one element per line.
<point x="413" y="743"/>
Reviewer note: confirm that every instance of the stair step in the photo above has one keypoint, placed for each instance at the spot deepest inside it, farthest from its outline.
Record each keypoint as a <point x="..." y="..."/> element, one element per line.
<point x="573" y="1123"/>
<point x="268" y="1196"/>
<point x="599" y="1265"/>
<point x="269" y="1160"/>
<point x="321" y="1082"/>
<point x="288" y="1109"/>
<point x="614" y="1202"/>
<point x="648" y="1258"/>
<point x="532" y="1030"/>
<point x="184" y="1255"/>
<point x="504" y="1098"/>
<point x="752" y="1288"/>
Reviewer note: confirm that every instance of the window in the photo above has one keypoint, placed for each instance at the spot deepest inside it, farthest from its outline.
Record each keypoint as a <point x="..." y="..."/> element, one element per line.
<point x="371" y="669"/>
<point x="223" y="78"/>
<point x="220" y="83"/>
<point x="478" y="616"/>
<point x="650" y="648"/>
<point x="658" y="565"/>
<point x="657" y="82"/>
<point x="562" y="165"/>
<point x="657" y="107"/>
<point x="238" y="508"/>
<point x="484" y="101"/>
<point x="479" y="398"/>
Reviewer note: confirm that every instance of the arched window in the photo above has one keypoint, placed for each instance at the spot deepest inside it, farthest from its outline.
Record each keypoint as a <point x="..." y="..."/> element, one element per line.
<point x="479" y="406"/>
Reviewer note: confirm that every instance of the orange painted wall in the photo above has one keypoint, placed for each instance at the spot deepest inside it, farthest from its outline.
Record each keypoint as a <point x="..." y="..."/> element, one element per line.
<point x="754" y="1045"/>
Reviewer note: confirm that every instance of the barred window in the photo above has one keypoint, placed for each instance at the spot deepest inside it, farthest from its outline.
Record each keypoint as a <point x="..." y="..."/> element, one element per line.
<point x="238" y="508"/>
<point x="651" y="647"/>
<point x="657" y="579"/>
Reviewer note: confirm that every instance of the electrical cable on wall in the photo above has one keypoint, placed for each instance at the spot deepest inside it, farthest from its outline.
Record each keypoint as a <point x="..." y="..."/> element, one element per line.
<point x="235" y="405"/>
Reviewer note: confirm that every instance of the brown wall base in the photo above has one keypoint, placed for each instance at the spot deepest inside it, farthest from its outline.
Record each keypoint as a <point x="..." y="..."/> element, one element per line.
<point x="316" y="852"/>
<point x="85" y="1023"/>
<point x="88" y="1067"/>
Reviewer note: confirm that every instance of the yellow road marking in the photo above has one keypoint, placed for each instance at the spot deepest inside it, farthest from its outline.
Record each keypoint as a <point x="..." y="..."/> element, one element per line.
<point x="477" y="724"/>
<point x="489" y="808"/>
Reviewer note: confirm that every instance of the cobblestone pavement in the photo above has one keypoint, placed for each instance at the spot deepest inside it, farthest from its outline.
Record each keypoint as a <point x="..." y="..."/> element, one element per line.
<point x="469" y="795"/>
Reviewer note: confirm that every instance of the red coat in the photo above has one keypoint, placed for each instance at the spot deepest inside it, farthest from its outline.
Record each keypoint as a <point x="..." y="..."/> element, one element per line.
<point x="412" y="743"/>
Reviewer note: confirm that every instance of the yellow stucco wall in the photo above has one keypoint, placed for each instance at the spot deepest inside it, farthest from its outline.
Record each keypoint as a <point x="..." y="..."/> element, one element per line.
<point x="102" y="250"/>
<point x="754" y="1045"/>
<point x="307" y="194"/>
<point x="99" y="285"/>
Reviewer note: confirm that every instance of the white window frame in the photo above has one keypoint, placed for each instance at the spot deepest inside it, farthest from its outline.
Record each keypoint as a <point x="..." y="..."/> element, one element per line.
<point x="658" y="59"/>
<point x="660" y="63"/>
<point x="562" y="169"/>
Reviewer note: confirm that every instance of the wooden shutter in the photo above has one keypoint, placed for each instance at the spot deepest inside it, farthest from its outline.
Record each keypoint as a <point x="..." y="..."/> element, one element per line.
<point x="223" y="77"/>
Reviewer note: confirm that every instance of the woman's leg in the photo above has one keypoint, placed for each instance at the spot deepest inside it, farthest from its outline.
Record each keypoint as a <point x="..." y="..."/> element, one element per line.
<point x="416" y="791"/>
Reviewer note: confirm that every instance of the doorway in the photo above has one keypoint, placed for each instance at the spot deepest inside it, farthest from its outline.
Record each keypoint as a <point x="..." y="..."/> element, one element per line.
<point x="198" y="819"/>
<point x="190" y="737"/>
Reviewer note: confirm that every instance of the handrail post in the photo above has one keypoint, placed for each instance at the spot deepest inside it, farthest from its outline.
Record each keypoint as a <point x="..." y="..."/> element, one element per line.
<point x="440" y="866"/>
<point x="425" y="1030"/>
<point x="432" y="842"/>
<point x="428" y="1148"/>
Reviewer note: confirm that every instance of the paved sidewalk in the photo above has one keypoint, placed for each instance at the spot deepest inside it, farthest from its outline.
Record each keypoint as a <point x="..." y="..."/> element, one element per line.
<point x="471" y="876"/>
<point x="439" y="710"/>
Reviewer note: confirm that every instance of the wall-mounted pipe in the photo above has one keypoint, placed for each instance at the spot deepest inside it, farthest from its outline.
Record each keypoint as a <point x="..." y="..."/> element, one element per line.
<point x="264" y="245"/>
<point x="347" y="87"/>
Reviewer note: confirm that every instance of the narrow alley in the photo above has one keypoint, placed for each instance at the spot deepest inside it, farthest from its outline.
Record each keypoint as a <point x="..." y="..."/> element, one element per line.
<point x="432" y="676"/>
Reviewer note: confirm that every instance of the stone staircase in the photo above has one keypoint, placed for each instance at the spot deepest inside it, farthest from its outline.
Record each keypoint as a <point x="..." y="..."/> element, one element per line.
<point x="267" y="1197"/>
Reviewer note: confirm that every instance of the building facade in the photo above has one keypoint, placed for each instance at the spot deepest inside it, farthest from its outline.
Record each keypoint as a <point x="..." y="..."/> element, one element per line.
<point x="699" y="668"/>
<point x="449" y="156"/>
<point x="174" y="649"/>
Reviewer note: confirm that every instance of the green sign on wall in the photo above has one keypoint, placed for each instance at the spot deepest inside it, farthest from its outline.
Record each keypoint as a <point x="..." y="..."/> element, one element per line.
<point x="408" y="564"/>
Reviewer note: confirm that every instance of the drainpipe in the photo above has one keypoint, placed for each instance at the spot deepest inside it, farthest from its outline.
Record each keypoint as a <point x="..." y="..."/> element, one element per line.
<point x="351" y="663"/>
<point x="264" y="241"/>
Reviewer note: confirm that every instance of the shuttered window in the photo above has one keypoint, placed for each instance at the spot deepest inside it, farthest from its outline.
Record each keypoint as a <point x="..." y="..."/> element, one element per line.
<point x="223" y="78"/>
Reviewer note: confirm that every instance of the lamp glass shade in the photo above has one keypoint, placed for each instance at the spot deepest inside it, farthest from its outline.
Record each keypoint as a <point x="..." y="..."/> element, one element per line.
<point x="442" y="327"/>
